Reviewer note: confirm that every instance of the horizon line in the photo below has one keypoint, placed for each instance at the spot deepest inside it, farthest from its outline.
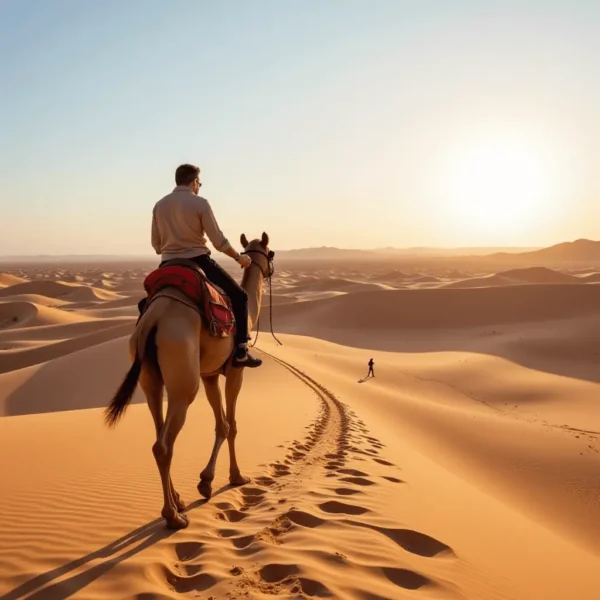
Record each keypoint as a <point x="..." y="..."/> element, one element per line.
<point x="303" y="249"/>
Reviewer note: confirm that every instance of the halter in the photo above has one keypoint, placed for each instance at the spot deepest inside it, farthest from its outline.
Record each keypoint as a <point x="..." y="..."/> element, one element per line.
<point x="269" y="257"/>
<point x="266" y="275"/>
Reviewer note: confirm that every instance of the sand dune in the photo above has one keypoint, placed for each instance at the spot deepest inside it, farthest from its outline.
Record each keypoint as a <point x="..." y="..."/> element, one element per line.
<point x="468" y="468"/>
<point x="118" y="303"/>
<point x="532" y="275"/>
<point x="339" y="284"/>
<point x="59" y="289"/>
<point x="537" y="275"/>
<point x="71" y="381"/>
<point x="590" y="277"/>
<point x="7" y="280"/>
<point x="81" y="335"/>
<point x="28" y="314"/>
<point x="37" y="299"/>
<point x="496" y="280"/>
<point x="438" y="308"/>
<point x="109" y="313"/>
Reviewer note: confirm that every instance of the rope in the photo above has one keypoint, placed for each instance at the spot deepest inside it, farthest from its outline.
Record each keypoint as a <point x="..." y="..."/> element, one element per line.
<point x="270" y="318"/>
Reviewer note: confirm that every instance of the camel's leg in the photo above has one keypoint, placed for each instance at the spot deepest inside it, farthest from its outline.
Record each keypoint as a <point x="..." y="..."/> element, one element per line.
<point x="163" y="452"/>
<point x="233" y="385"/>
<point x="213" y="393"/>
<point x="180" y="367"/>
<point x="152" y="385"/>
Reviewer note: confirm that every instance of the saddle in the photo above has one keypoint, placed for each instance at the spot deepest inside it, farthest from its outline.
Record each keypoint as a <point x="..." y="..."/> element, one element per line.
<point x="211" y="302"/>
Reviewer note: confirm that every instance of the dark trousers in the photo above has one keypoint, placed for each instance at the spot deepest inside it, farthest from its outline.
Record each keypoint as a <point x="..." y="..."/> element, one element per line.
<point x="371" y="372"/>
<point x="237" y="294"/>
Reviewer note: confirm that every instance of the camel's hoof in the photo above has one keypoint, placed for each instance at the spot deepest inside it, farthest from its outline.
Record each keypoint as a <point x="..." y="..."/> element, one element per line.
<point x="180" y="504"/>
<point x="178" y="521"/>
<point x="205" y="488"/>
<point x="239" y="479"/>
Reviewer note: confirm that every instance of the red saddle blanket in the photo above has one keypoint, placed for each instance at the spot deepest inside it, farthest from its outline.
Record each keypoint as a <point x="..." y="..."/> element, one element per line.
<point x="213" y="304"/>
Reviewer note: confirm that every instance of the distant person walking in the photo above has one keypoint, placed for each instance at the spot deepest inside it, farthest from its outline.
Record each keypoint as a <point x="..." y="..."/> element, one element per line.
<point x="371" y="373"/>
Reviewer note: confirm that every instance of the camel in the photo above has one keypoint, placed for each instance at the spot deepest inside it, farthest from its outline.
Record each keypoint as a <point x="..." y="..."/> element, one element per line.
<point x="170" y="349"/>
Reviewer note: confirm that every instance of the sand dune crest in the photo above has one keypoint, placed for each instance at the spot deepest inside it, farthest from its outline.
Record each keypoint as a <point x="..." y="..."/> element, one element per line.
<point x="74" y="292"/>
<point x="8" y="280"/>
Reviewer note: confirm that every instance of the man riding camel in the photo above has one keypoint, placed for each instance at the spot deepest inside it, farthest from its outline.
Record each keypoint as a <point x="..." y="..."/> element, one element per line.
<point x="180" y="221"/>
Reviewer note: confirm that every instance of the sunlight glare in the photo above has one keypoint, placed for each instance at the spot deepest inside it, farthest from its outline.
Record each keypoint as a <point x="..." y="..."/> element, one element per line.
<point x="499" y="185"/>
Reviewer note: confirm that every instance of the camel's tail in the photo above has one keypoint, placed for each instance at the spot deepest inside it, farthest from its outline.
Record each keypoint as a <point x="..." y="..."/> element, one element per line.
<point x="144" y="341"/>
<point x="122" y="398"/>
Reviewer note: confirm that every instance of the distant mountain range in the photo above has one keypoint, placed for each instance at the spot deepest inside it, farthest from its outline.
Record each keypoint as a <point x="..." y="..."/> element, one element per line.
<point x="421" y="251"/>
<point x="579" y="250"/>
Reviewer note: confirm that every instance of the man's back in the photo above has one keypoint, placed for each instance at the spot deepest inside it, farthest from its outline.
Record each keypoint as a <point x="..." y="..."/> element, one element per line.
<point x="179" y="222"/>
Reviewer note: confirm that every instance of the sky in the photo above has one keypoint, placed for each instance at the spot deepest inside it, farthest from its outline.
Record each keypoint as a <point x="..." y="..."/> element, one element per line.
<point x="358" y="124"/>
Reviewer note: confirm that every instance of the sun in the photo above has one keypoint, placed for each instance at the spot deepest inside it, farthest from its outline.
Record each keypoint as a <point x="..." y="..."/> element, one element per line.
<point x="497" y="186"/>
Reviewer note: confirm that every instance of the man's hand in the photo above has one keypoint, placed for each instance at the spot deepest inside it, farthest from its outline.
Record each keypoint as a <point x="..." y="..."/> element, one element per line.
<point x="244" y="261"/>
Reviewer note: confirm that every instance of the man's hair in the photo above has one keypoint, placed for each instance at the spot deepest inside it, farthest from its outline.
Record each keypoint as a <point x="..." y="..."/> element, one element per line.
<point x="185" y="174"/>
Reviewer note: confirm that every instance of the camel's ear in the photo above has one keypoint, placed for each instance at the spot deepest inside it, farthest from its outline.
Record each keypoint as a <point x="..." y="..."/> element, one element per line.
<point x="244" y="240"/>
<point x="264" y="240"/>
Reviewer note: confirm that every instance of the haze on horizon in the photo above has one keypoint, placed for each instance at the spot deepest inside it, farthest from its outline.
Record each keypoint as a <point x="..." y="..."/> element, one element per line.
<point x="344" y="123"/>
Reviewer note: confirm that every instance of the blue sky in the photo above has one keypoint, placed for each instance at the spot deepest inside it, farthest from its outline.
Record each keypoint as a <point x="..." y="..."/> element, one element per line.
<point x="322" y="122"/>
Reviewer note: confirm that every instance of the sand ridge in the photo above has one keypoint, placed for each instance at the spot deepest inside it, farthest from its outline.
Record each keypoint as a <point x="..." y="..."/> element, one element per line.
<point x="469" y="467"/>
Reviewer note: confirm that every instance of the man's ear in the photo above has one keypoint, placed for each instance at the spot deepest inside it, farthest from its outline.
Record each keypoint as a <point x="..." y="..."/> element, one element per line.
<point x="244" y="240"/>
<point x="264" y="240"/>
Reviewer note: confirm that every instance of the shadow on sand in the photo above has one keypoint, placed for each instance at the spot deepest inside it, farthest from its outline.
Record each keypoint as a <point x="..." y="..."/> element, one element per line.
<point x="50" y="586"/>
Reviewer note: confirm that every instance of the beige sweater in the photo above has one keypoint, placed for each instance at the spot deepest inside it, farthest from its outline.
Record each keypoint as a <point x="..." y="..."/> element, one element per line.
<point x="179" y="222"/>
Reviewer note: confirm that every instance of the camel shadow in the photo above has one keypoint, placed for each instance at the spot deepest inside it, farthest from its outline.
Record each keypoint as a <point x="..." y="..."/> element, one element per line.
<point x="46" y="586"/>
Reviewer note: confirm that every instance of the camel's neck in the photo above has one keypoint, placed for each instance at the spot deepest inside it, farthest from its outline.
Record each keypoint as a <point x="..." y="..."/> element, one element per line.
<point x="252" y="283"/>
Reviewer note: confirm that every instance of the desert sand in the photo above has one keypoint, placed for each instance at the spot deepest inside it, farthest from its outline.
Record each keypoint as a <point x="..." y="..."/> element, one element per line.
<point x="467" y="468"/>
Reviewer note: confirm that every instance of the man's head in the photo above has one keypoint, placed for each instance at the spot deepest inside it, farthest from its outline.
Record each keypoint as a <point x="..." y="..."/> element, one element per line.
<point x="188" y="175"/>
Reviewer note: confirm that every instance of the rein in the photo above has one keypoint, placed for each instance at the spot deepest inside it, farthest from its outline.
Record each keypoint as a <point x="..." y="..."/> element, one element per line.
<point x="269" y="274"/>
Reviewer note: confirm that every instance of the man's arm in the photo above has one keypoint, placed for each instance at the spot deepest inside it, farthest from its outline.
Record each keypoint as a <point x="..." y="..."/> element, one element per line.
<point x="155" y="236"/>
<point x="232" y="253"/>
<point x="214" y="233"/>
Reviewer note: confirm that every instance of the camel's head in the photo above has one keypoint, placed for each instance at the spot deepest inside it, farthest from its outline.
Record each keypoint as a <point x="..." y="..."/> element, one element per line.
<point x="259" y="252"/>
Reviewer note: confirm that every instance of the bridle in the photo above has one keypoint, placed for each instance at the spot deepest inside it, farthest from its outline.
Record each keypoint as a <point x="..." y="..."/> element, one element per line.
<point x="266" y="275"/>
<point x="269" y="256"/>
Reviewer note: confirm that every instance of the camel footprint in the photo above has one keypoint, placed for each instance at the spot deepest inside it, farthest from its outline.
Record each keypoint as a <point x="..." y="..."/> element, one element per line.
<point x="409" y="580"/>
<point x="412" y="541"/>
<point x="280" y="470"/>
<point x="384" y="462"/>
<point x="278" y="574"/>
<point x="188" y="550"/>
<point x="335" y="507"/>
<point x="353" y="472"/>
<point x="232" y="515"/>
<point x="252" y="496"/>
<point x="358" y="481"/>
<point x="347" y="491"/>
<point x="393" y="479"/>
<point x="187" y="578"/>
